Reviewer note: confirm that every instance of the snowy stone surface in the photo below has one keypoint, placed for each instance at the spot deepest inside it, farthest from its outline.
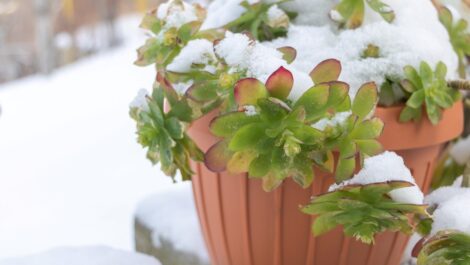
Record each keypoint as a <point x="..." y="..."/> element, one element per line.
<point x="71" y="171"/>
<point x="171" y="216"/>
<point x="83" y="256"/>
<point x="387" y="166"/>
<point x="460" y="151"/>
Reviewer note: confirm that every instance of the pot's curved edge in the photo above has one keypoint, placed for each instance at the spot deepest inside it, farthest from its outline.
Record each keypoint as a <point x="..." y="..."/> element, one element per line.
<point x="411" y="135"/>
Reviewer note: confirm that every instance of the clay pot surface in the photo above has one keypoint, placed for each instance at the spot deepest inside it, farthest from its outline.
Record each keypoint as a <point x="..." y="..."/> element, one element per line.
<point x="243" y="225"/>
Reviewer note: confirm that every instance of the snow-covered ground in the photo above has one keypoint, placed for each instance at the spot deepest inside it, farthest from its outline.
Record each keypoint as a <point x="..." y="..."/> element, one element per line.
<point x="71" y="172"/>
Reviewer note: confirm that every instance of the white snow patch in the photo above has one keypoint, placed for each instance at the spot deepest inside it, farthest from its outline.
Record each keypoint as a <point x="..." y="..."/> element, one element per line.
<point x="259" y="61"/>
<point x="175" y="14"/>
<point x="387" y="166"/>
<point x="198" y="51"/>
<point x="140" y="100"/>
<point x="250" y="110"/>
<point x="413" y="37"/>
<point x="171" y="215"/>
<point x="83" y="256"/>
<point x="337" y="119"/>
<point x="460" y="151"/>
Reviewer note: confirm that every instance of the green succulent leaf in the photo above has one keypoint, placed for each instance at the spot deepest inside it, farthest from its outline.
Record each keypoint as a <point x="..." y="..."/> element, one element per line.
<point x="446" y="248"/>
<point x="365" y="100"/>
<point x="326" y="71"/>
<point x="363" y="211"/>
<point x="350" y="13"/>
<point x="459" y="36"/>
<point x="247" y="91"/>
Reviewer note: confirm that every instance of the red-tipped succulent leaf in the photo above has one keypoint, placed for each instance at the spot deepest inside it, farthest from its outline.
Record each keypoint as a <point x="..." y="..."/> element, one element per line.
<point x="280" y="83"/>
<point x="217" y="157"/>
<point x="247" y="91"/>
<point x="326" y="71"/>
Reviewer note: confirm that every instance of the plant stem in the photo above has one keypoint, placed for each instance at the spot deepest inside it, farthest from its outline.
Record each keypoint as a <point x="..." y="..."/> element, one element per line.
<point x="466" y="176"/>
<point x="460" y="84"/>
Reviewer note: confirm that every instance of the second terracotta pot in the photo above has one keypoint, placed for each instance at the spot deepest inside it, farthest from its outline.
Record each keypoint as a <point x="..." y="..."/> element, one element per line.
<point x="243" y="225"/>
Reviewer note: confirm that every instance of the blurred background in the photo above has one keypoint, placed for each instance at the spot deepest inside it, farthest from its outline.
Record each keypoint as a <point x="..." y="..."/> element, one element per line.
<point x="71" y="172"/>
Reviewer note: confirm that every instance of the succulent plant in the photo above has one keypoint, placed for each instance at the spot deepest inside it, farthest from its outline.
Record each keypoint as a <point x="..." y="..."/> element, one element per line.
<point x="350" y="13"/>
<point x="363" y="211"/>
<point x="259" y="21"/>
<point x="164" y="137"/>
<point x="459" y="37"/>
<point x="427" y="89"/>
<point x="446" y="248"/>
<point x="272" y="138"/>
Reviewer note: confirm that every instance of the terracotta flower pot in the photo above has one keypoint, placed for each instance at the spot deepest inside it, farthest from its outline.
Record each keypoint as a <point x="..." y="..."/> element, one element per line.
<point x="243" y="225"/>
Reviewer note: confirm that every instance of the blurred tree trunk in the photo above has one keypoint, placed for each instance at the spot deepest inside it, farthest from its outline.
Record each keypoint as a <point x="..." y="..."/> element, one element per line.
<point x="45" y="50"/>
<point x="108" y="13"/>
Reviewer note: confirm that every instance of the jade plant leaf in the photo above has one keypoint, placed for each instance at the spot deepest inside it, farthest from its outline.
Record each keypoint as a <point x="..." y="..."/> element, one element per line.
<point x="365" y="100"/>
<point x="247" y="91"/>
<point x="280" y="83"/>
<point x="427" y="89"/>
<point x="326" y="71"/>
<point x="447" y="247"/>
<point x="363" y="211"/>
<point x="217" y="157"/>
<point x="350" y="13"/>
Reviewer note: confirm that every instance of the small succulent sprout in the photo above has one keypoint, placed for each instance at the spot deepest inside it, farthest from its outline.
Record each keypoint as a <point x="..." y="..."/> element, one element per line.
<point x="427" y="88"/>
<point x="363" y="211"/>
<point x="448" y="247"/>
<point x="265" y="21"/>
<point x="350" y="13"/>
<point x="288" y="53"/>
<point x="357" y="137"/>
<point x="372" y="51"/>
<point x="459" y="37"/>
<point x="326" y="71"/>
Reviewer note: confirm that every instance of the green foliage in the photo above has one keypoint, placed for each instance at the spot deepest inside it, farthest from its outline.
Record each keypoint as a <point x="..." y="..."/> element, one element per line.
<point x="164" y="137"/>
<point x="350" y="13"/>
<point x="446" y="172"/>
<point x="446" y="248"/>
<point x="459" y="37"/>
<point x="167" y="41"/>
<point x="363" y="211"/>
<point x="256" y="21"/>
<point x="427" y="88"/>
<point x="276" y="139"/>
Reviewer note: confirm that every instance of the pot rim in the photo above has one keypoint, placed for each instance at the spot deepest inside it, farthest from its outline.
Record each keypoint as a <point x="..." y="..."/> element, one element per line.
<point x="412" y="135"/>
